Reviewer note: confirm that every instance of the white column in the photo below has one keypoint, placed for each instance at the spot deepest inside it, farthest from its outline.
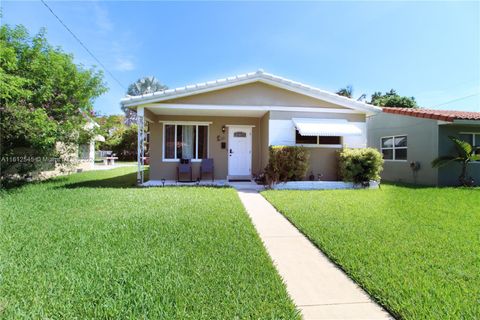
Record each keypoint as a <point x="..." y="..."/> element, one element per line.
<point x="140" y="144"/>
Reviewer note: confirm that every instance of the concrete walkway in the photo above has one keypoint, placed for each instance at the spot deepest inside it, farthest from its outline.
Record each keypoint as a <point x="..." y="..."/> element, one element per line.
<point x="319" y="288"/>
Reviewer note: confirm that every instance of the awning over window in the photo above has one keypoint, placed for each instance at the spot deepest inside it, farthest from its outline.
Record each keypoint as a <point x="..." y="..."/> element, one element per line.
<point x="325" y="127"/>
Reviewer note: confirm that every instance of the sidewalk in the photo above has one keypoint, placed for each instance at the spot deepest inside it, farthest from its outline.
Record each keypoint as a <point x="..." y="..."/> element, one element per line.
<point x="319" y="288"/>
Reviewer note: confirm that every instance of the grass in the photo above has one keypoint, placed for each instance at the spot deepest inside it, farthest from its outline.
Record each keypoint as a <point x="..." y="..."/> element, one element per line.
<point x="416" y="251"/>
<point x="92" y="246"/>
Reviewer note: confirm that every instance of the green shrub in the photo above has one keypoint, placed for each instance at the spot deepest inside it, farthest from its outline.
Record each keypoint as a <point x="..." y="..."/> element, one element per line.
<point x="360" y="165"/>
<point x="286" y="163"/>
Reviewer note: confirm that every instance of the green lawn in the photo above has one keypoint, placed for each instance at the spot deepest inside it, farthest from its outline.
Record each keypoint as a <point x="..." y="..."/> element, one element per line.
<point x="91" y="246"/>
<point x="416" y="250"/>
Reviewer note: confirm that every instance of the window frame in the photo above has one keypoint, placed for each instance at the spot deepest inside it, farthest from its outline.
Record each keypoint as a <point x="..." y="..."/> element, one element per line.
<point x="185" y="123"/>
<point x="474" y="142"/>
<point x="393" y="148"/>
<point x="317" y="145"/>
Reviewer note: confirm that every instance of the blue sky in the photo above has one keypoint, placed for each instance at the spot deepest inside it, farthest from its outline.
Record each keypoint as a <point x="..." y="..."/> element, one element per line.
<point x="429" y="50"/>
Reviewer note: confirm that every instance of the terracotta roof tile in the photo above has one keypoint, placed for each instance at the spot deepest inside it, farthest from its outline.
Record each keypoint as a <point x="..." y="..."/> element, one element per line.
<point x="444" y="115"/>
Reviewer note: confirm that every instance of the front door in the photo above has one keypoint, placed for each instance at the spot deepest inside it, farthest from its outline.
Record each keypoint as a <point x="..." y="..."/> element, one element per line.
<point x="239" y="151"/>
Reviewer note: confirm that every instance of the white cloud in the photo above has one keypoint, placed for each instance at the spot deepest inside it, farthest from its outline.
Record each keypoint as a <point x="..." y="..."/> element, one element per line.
<point x="124" y="64"/>
<point x="102" y="18"/>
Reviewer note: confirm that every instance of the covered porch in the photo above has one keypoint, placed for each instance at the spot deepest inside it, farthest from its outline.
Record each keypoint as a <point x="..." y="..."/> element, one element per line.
<point x="235" y="139"/>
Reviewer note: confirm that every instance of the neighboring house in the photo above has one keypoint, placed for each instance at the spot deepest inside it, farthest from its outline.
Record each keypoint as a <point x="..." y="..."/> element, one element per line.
<point x="235" y="120"/>
<point x="412" y="138"/>
<point x="86" y="152"/>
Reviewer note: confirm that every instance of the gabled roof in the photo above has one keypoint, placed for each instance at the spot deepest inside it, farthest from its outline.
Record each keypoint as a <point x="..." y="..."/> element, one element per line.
<point x="258" y="76"/>
<point x="444" y="115"/>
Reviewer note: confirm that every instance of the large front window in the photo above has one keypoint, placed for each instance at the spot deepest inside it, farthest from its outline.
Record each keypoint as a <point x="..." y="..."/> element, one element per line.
<point x="394" y="148"/>
<point x="185" y="141"/>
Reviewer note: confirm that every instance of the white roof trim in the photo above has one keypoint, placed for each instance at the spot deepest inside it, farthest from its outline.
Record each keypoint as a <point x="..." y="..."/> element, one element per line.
<point x="259" y="76"/>
<point x="247" y="108"/>
<point x="198" y="123"/>
<point x="325" y="127"/>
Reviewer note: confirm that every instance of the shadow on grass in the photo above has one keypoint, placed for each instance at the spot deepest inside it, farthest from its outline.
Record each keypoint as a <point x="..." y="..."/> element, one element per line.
<point x="406" y="185"/>
<point x="422" y="186"/>
<point x="124" y="181"/>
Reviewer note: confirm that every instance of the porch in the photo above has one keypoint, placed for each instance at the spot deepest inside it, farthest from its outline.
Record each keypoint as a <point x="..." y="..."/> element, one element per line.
<point x="233" y="142"/>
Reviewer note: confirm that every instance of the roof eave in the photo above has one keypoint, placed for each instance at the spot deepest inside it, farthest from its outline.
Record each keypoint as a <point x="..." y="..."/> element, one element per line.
<point x="250" y="78"/>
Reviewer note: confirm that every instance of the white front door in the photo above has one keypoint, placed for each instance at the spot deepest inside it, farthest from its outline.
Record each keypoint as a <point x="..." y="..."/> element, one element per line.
<point x="239" y="151"/>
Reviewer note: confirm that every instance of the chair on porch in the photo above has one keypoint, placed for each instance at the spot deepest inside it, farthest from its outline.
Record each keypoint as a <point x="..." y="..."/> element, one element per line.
<point x="183" y="168"/>
<point x="207" y="167"/>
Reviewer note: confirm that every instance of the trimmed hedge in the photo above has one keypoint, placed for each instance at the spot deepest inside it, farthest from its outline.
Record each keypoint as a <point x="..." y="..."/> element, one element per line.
<point x="286" y="163"/>
<point x="360" y="165"/>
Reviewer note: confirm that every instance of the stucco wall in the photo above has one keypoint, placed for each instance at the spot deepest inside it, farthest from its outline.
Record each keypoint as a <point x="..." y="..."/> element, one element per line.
<point x="282" y="128"/>
<point x="264" y="122"/>
<point x="323" y="161"/>
<point x="422" y="146"/>
<point x="448" y="175"/>
<point x="254" y="94"/>
<point x="287" y="115"/>
<point x="167" y="170"/>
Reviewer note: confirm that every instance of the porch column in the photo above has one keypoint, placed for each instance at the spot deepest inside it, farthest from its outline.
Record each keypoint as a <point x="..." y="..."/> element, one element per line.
<point x="140" y="144"/>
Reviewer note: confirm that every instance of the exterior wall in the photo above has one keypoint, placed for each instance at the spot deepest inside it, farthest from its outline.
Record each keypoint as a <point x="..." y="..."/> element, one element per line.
<point x="264" y="128"/>
<point x="273" y="128"/>
<point x="323" y="160"/>
<point x="422" y="135"/>
<point x="282" y="128"/>
<point x="167" y="170"/>
<point x="149" y="115"/>
<point x="254" y="94"/>
<point x="448" y="175"/>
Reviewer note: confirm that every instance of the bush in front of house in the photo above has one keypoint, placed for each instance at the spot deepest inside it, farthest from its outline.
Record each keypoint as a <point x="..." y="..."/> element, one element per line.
<point x="360" y="165"/>
<point x="286" y="163"/>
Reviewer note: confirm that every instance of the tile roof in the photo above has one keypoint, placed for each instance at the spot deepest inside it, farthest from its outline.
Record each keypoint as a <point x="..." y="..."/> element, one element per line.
<point x="444" y="115"/>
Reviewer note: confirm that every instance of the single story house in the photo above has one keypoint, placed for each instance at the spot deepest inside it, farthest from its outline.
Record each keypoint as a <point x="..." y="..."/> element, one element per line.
<point x="411" y="138"/>
<point x="234" y="121"/>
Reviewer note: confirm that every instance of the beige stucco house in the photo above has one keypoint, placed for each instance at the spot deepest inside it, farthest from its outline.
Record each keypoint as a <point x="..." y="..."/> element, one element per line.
<point x="234" y="120"/>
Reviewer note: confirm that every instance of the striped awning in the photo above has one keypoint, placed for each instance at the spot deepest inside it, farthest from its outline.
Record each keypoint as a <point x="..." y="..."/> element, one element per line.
<point x="325" y="127"/>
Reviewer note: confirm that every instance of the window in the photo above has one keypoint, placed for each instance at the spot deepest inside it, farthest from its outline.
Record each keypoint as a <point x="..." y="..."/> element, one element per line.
<point x="240" y="134"/>
<point x="189" y="141"/>
<point x="320" y="140"/>
<point x="394" y="148"/>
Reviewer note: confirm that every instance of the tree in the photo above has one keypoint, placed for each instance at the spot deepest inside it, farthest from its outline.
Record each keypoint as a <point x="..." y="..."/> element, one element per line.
<point x="392" y="100"/>
<point x="111" y="128"/>
<point x="126" y="148"/>
<point x="44" y="98"/>
<point x="466" y="153"/>
<point x="141" y="86"/>
<point x="346" y="92"/>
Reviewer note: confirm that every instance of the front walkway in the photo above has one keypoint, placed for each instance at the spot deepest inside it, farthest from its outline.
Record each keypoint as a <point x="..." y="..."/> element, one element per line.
<point x="319" y="288"/>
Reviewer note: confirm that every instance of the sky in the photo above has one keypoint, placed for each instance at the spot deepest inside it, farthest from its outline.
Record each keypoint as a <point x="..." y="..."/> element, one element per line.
<point x="429" y="50"/>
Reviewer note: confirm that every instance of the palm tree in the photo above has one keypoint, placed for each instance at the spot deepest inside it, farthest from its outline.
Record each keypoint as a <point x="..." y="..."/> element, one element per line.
<point x="145" y="85"/>
<point x="141" y="86"/>
<point x="346" y="92"/>
<point x="466" y="153"/>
